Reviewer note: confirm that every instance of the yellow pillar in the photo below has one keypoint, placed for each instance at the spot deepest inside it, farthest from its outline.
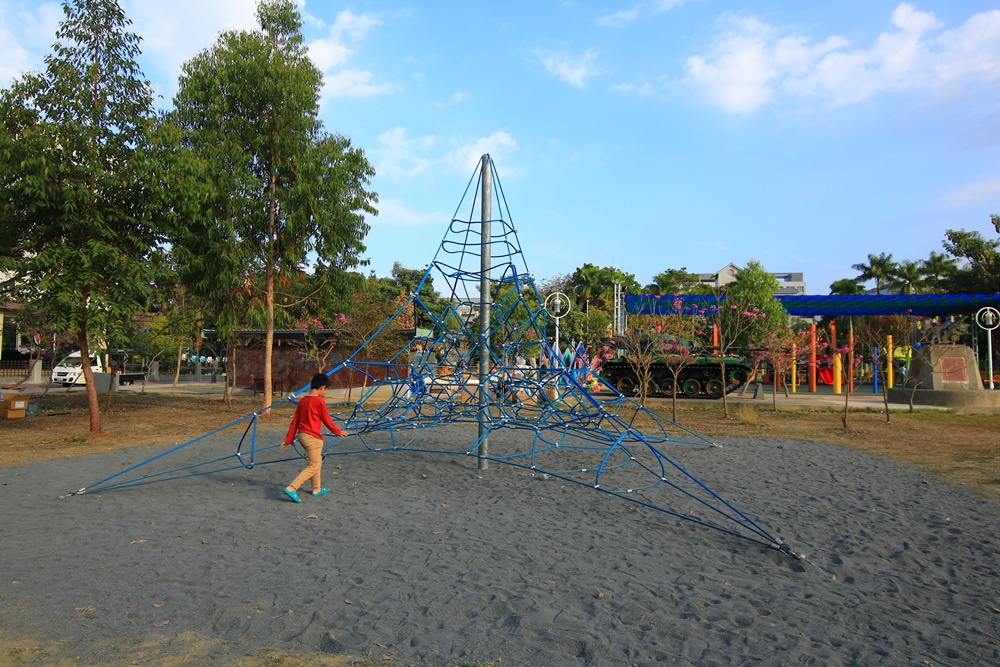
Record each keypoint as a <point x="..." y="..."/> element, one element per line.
<point x="888" y="366"/>
<point x="838" y="369"/>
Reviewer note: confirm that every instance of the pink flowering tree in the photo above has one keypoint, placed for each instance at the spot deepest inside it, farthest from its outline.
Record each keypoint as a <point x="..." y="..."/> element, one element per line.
<point x="318" y="345"/>
<point x="745" y="312"/>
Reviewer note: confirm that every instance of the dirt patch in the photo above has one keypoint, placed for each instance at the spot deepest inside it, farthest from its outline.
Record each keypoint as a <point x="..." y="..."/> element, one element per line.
<point x="960" y="447"/>
<point x="61" y="427"/>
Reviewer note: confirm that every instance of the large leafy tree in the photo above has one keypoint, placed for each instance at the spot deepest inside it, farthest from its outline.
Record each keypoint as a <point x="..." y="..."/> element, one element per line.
<point x="674" y="281"/>
<point x="73" y="182"/>
<point x="282" y="189"/>
<point x="748" y="314"/>
<point x="981" y="273"/>
<point x="909" y="277"/>
<point x="938" y="269"/>
<point x="595" y="285"/>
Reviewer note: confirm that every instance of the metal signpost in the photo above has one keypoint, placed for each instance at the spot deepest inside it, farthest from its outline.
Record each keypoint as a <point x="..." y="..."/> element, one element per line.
<point x="988" y="318"/>
<point x="558" y="306"/>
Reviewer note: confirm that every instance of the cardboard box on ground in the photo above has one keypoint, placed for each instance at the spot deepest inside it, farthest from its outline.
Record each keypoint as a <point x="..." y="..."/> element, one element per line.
<point x="13" y="406"/>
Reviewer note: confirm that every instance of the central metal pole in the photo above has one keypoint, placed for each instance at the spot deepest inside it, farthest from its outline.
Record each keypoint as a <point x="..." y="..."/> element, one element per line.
<point x="484" y="311"/>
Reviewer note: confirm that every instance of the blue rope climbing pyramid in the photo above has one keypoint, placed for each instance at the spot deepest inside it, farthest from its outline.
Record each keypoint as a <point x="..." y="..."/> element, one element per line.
<point x="484" y="363"/>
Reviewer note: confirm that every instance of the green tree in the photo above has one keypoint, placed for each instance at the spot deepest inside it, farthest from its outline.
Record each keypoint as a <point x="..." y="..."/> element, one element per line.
<point x="846" y="287"/>
<point x="908" y="278"/>
<point x="673" y="281"/>
<point x="879" y="268"/>
<point x="282" y="189"/>
<point x="938" y="269"/>
<point x="748" y="314"/>
<point x="74" y="181"/>
<point x="591" y="286"/>
<point x="981" y="273"/>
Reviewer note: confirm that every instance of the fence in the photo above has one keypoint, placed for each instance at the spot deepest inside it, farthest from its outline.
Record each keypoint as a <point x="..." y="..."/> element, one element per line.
<point x="18" y="368"/>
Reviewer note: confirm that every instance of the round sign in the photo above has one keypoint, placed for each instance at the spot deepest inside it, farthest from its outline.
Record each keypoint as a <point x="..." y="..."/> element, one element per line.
<point x="557" y="304"/>
<point x="988" y="318"/>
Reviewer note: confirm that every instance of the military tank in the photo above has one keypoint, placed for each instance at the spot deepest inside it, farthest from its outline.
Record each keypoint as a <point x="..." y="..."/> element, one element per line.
<point x="700" y="377"/>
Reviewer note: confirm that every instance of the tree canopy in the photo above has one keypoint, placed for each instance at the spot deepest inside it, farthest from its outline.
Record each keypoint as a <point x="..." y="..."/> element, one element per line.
<point x="282" y="190"/>
<point x="77" y="237"/>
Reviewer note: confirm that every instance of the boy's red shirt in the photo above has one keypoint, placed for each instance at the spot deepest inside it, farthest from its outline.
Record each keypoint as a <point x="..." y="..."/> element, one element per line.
<point x="310" y="416"/>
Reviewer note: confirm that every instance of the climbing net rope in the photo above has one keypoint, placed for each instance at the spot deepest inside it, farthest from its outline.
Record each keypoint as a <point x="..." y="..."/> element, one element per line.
<point x="497" y="374"/>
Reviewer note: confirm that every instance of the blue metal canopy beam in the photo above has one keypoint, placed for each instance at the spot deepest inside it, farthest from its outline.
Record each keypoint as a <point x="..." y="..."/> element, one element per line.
<point x="834" y="305"/>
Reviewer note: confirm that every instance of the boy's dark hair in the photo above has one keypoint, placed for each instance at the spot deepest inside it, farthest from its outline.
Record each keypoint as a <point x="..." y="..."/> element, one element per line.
<point x="319" y="380"/>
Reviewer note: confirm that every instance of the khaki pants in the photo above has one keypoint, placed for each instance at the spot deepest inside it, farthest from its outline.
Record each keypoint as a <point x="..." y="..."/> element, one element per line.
<point x="314" y="450"/>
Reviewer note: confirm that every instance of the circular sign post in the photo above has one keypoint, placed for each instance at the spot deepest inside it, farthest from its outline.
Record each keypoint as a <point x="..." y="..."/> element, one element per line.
<point x="558" y="306"/>
<point x="989" y="318"/>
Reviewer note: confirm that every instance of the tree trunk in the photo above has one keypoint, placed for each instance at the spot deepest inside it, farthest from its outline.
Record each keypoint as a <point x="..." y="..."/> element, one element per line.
<point x="177" y="367"/>
<point x="112" y="371"/>
<point x="725" y="386"/>
<point x="847" y="400"/>
<point x="269" y="287"/>
<point x="774" y="387"/>
<point x="88" y="374"/>
<point x="673" y="396"/>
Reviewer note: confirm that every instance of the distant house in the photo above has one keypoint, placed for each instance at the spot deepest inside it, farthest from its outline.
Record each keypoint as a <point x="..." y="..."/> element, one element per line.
<point x="789" y="283"/>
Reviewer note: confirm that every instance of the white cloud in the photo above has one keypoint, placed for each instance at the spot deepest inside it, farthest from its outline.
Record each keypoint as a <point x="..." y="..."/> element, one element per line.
<point x="328" y="54"/>
<point x="737" y="75"/>
<point x="624" y="17"/>
<point x="571" y="69"/>
<point x="619" y="19"/>
<point x="750" y="62"/>
<point x="21" y="29"/>
<point x="465" y="158"/>
<point x="173" y="32"/>
<point x="399" y="156"/>
<point x="393" y="212"/>
<point x="456" y="98"/>
<point x="333" y="52"/>
<point x="355" y="83"/>
<point x="354" y="26"/>
<point x="980" y="193"/>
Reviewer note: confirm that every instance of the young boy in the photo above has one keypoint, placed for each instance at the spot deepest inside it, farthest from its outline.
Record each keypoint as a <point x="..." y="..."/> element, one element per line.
<point x="310" y="417"/>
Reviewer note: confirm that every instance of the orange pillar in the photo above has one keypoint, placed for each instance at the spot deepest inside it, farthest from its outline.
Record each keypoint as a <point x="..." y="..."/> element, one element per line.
<point x="838" y="365"/>
<point x="715" y="338"/>
<point x="812" y="358"/>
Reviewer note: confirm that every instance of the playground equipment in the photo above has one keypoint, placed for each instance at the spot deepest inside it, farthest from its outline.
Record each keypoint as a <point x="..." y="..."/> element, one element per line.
<point x="485" y="364"/>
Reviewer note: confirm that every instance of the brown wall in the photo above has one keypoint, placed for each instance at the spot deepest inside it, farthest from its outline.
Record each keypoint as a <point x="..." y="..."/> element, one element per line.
<point x="292" y="371"/>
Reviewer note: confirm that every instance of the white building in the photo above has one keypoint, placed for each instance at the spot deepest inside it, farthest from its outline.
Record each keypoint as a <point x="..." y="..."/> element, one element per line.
<point x="789" y="283"/>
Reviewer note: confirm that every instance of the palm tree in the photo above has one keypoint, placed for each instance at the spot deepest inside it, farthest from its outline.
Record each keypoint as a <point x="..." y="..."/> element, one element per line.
<point x="908" y="278"/>
<point x="937" y="269"/>
<point x="846" y="287"/>
<point x="879" y="268"/>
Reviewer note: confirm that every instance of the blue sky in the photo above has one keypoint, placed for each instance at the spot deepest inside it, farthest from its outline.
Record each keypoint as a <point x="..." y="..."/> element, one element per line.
<point x="642" y="134"/>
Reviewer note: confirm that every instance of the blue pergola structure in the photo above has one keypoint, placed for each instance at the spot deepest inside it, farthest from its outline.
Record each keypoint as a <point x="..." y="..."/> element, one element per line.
<point x="834" y="305"/>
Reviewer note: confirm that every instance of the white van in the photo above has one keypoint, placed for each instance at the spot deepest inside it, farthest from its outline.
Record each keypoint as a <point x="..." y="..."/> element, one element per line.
<point x="69" y="371"/>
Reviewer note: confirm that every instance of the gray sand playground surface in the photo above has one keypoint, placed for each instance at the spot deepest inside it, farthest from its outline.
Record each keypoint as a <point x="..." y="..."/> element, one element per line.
<point x="424" y="559"/>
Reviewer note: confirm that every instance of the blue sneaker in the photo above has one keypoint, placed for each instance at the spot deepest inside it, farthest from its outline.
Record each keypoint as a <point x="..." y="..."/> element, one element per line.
<point x="322" y="492"/>
<point x="294" y="495"/>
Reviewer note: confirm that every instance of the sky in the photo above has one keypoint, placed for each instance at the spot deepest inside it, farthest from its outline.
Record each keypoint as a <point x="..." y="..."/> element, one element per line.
<point x="642" y="134"/>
